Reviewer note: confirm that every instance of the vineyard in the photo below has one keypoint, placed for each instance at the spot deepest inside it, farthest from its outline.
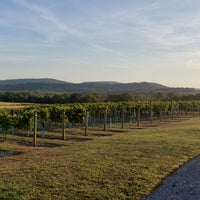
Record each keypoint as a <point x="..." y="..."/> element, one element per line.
<point x="57" y="120"/>
<point x="94" y="150"/>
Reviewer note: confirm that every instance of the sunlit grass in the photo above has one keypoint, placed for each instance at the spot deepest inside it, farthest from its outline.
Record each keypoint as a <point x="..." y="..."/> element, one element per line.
<point x="122" y="165"/>
<point x="14" y="105"/>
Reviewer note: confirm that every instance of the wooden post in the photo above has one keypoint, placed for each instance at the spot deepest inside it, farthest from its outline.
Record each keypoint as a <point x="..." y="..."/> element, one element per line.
<point x="138" y="116"/>
<point x="186" y="109"/>
<point x="123" y="112"/>
<point x="199" y="109"/>
<point x="172" y="110"/>
<point x="161" y="108"/>
<point x="63" y="125"/>
<point x="34" y="128"/>
<point x="193" y="109"/>
<point x="86" y="122"/>
<point x="105" y="119"/>
<point x="110" y="120"/>
<point x="177" y="109"/>
<point x="151" y="113"/>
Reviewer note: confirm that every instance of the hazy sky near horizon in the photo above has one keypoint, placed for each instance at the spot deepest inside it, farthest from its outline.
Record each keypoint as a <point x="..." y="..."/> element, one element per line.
<point x="101" y="40"/>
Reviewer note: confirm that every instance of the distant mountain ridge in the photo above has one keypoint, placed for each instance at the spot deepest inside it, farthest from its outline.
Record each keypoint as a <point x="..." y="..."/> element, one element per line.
<point x="48" y="84"/>
<point x="30" y="80"/>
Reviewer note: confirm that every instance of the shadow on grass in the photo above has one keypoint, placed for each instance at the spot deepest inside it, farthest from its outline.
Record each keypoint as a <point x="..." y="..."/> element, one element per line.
<point x="5" y="153"/>
<point x="39" y="144"/>
<point x="79" y="139"/>
<point x="50" y="145"/>
<point x="101" y="134"/>
<point x="118" y="130"/>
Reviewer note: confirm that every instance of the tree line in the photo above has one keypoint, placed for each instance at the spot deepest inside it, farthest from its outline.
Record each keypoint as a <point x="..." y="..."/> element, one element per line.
<point x="65" y="98"/>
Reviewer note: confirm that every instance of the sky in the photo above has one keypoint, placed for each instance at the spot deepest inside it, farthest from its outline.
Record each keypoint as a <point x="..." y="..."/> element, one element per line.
<point x="101" y="40"/>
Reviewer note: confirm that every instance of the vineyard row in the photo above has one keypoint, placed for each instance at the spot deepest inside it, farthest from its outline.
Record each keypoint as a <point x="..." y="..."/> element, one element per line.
<point x="92" y="114"/>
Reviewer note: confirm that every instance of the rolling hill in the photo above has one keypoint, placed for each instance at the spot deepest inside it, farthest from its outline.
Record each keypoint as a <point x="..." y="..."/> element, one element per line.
<point x="52" y="85"/>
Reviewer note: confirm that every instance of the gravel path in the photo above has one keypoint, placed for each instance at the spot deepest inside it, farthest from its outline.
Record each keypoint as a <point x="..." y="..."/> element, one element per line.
<point x="183" y="184"/>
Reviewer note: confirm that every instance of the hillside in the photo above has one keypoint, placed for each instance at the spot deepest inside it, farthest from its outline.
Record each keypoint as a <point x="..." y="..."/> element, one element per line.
<point x="104" y="86"/>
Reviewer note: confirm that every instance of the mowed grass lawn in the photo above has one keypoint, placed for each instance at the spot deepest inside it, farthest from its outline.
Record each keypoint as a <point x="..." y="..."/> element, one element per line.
<point x="124" y="165"/>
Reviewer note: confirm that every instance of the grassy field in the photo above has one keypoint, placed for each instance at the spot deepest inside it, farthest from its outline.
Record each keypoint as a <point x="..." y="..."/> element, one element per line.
<point x="14" y="105"/>
<point x="104" y="165"/>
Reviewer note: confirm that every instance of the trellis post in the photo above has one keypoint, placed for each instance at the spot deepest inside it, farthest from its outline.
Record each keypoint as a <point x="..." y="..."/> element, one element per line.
<point x="151" y="113"/>
<point x="138" y="116"/>
<point x="177" y="109"/>
<point x="161" y="111"/>
<point x="172" y="110"/>
<point x="105" y="119"/>
<point x="63" y="125"/>
<point x="34" y="128"/>
<point x="86" y="122"/>
<point x="110" y="120"/>
<point x="123" y="115"/>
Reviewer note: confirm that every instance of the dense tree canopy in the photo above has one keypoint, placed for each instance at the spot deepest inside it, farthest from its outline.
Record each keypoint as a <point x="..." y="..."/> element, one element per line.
<point x="64" y="98"/>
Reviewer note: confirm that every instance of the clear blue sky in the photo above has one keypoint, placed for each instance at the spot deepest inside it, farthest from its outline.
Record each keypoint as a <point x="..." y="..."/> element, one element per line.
<point x="101" y="40"/>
